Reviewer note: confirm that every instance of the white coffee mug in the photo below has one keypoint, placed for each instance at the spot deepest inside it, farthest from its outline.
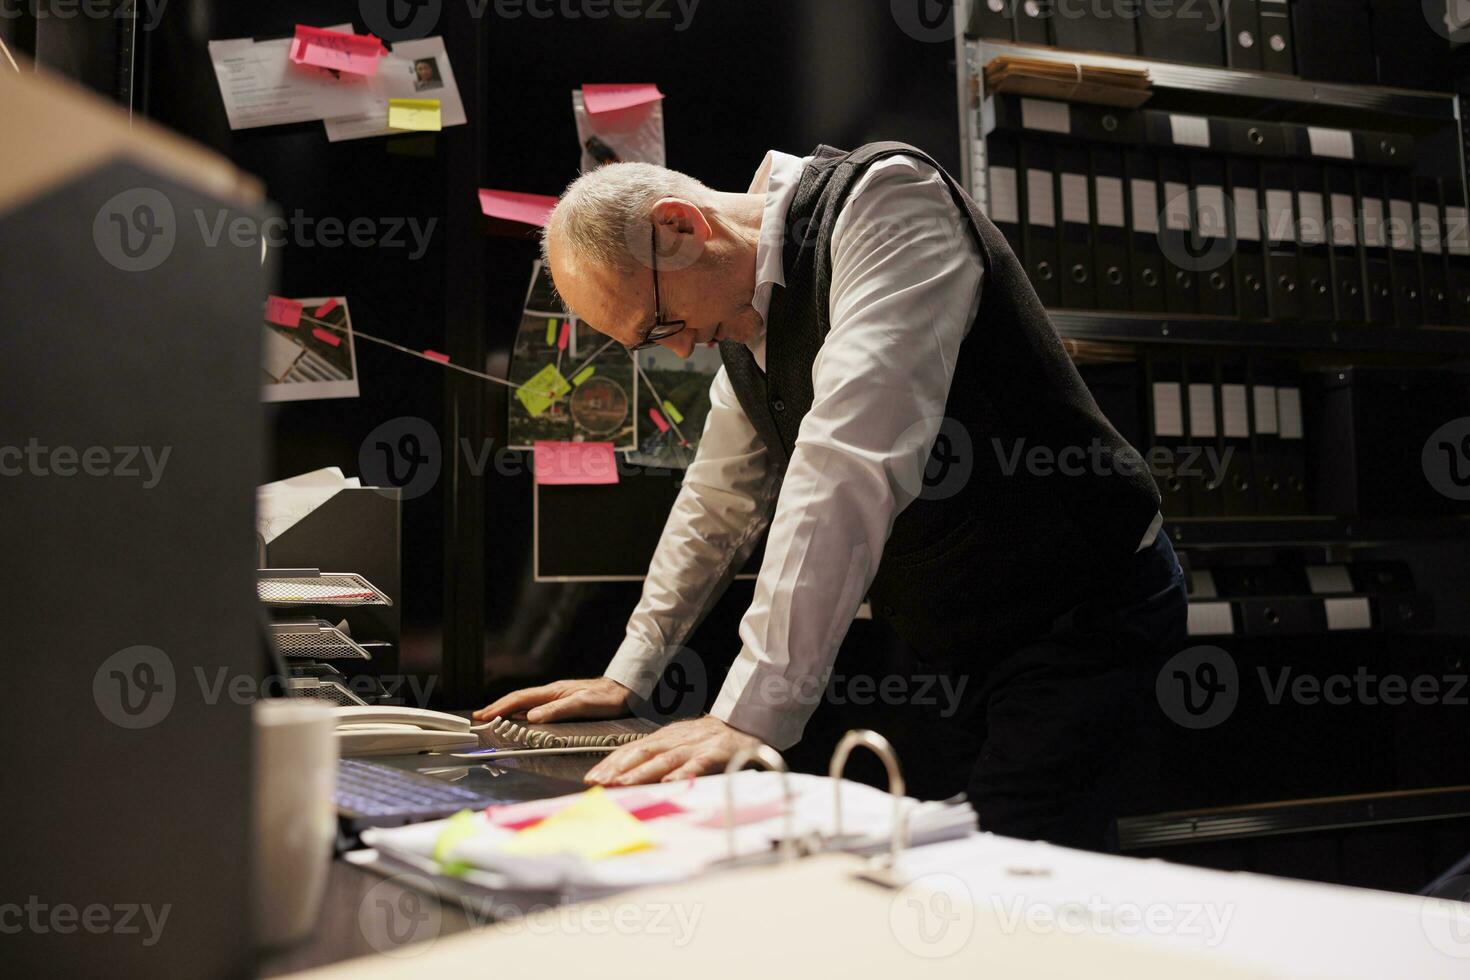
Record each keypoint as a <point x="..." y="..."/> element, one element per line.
<point x="295" y="821"/>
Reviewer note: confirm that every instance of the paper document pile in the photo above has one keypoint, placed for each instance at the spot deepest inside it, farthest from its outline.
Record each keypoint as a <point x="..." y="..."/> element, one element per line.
<point x="1075" y="81"/>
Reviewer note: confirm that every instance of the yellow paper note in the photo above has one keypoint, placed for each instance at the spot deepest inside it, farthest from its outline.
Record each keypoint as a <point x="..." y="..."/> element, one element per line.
<point x="582" y="375"/>
<point x="593" y="828"/>
<point x="543" y="390"/>
<point x="673" y="412"/>
<point x="550" y="333"/>
<point x="420" y="114"/>
<point x="461" y="827"/>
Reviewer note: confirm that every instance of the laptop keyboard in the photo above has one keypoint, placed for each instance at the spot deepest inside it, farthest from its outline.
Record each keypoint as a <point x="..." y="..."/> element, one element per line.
<point x="372" y="789"/>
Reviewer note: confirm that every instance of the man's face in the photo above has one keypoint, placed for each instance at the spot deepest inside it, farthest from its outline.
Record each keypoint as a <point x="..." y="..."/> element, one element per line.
<point x="425" y="72"/>
<point x="712" y="296"/>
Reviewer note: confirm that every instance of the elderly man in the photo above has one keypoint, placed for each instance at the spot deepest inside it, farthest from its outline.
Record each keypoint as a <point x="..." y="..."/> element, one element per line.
<point x="869" y="315"/>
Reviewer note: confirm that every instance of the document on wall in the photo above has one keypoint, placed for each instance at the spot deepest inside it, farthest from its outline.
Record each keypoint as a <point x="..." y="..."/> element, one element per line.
<point x="413" y="70"/>
<point x="262" y="86"/>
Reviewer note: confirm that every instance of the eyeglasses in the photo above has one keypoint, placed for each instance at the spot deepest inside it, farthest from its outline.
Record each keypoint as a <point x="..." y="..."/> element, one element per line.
<point x="662" y="329"/>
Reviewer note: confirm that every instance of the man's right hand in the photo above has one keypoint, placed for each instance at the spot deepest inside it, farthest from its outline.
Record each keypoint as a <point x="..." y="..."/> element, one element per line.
<point x="562" y="701"/>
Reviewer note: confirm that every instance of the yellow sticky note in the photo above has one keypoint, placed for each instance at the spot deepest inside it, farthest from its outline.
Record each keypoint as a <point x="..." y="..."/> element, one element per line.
<point x="543" y="390"/>
<point x="462" y="826"/>
<point x="420" y="114"/>
<point x="550" y="333"/>
<point x="593" y="828"/>
<point x="583" y="375"/>
<point x="673" y="412"/>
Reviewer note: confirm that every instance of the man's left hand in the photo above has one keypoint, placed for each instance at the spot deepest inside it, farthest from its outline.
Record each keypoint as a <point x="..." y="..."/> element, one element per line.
<point x="678" y="751"/>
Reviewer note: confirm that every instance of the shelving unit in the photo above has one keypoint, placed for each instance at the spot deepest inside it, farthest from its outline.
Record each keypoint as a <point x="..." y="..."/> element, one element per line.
<point x="1229" y="332"/>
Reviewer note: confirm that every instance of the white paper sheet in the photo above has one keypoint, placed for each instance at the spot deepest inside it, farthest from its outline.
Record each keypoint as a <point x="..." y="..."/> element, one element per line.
<point x="414" y="70"/>
<point x="262" y="87"/>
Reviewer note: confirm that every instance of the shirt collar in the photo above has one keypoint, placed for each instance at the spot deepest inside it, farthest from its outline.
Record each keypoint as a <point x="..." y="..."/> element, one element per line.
<point x="777" y="178"/>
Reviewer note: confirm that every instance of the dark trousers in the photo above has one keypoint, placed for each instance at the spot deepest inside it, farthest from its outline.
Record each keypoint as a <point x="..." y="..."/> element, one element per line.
<point x="1053" y="728"/>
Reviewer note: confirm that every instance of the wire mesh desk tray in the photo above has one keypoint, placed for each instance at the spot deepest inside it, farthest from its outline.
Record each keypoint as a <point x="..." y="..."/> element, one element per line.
<point x="315" y="639"/>
<point x="295" y="587"/>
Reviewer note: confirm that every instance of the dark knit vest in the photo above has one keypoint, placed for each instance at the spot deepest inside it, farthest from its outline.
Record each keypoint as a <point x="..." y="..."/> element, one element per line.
<point x="968" y="573"/>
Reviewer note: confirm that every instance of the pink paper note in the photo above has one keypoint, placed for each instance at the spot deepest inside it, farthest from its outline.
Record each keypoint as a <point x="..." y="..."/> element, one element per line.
<point x="528" y="209"/>
<point x="658" y="420"/>
<point x="566" y="335"/>
<point x="286" y="312"/>
<point x="434" y="355"/>
<point x="576" y="463"/>
<point x="615" y="98"/>
<point x="326" y="336"/>
<point x="357" y="54"/>
<point x="325" y="308"/>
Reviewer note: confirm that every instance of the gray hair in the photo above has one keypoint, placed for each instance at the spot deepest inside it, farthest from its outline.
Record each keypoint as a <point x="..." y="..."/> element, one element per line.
<point x="604" y="215"/>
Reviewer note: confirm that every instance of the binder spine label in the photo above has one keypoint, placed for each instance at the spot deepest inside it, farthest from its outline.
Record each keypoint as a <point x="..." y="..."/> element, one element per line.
<point x="1354" y="613"/>
<point x="1343" y="230"/>
<point x="1235" y="412"/>
<point x="1247" y="214"/>
<point x="1266" y="415"/>
<point x="1039" y="207"/>
<point x="1330" y="142"/>
<point x="1210" y="211"/>
<point x="1310" y="220"/>
<point x="1429" y="227"/>
<point x="1049" y="117"/>
<point x="1457" y="230"/>
<point x="1176" y="206"/>
<point x="1289" y="405"/>
<point x="1373" y="223"/>
<point x="1145" y="218"/>
<point x="1074" y="199"/>
<point x="1189" y="130"/>
<point x="1005" y="206"/>
<point x="1202" y="411"/>
<point x="1280" y="226"/>
<point x="1109" y="191"/>
<point x="1168" y="410"/>
<point x="1400" y="225"/>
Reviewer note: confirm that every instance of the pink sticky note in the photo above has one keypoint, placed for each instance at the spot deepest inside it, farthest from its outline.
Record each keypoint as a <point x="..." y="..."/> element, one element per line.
<point x="615" y="98"/>
<point x="576" y="463"/>
<point x="658" y="420"/>
<point x="357" y="54"/>
<point x="326" y="336"/>
<point x="326" y="308"/>
<point x="434" y="355"/>
<point x="527" y="209"/>
<point x="286" y="312"/>
<point x="566" y="335"/>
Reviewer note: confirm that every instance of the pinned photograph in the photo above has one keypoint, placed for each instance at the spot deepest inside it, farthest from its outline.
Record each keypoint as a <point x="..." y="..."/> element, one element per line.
<point x="315" y="357"/>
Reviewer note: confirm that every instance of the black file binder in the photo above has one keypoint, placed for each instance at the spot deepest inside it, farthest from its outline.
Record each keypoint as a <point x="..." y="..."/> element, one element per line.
<point x="1291" y="436"/>
<point x="1281" y="616"/>
<point x="1033" y="22"/>
<point x="1333" y="41"/>
<point x="1181" y="292"/>
<point x="1377" y="279"/>
<point x="1014" y="113"/>
<point x="1266" y="441"/>
<point x="1430" y="234"/>
<point x="1457" y="250"/>
<point x="1347" y="263"/>
<point x="1277" y="44"/>
<point x="1216" y="275"/>
<point x="1181" y="30"/>
<point x="1247" y="137"/>
<point x="1002" y="182"/>
<point x="1107" y="124"/>
<point x="1242" y="35"/>
<point x="1110" y="230"/>
<point x="1165" y="377"/>
<point x="1100" y="25"/>
<point x="1403" y="258"/>
<point x="1377" y="149"/>
<point x="1314" y="253"/>
<point x="1145" y="261"/>
<point x="1075" y="235"/>
<point x="1206" y="487"/>
<point x="1235" y="437"/>
<point x="1283" y="272"/>
<point x="991" y="19"/>
<point x="1039" y="219"/>
<point x="1249" y="261"/>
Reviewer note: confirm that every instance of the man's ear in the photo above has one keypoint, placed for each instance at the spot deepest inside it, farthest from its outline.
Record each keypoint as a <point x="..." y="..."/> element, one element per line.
<point x="674" y="214"/>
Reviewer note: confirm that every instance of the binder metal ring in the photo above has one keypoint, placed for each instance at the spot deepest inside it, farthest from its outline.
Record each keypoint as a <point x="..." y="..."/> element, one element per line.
<point x="770" y="759"/>
<point x="883" y="749"/>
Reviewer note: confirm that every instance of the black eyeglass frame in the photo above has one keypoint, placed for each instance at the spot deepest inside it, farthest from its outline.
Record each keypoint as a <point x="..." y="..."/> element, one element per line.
<point x="662" y="329"/>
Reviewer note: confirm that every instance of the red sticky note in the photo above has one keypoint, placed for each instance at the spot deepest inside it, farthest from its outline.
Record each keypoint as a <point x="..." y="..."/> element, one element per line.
<point x="286" y="312"/>
<point x="527" y="209"/>
<point x="566" y="335"/>
<point x="337" y="50"/>
<point x="326" y="307"/>
<point x="576" y="464"/>
<point x="658" y="420"/>
<point x="615" y="98"/>
<point x="326" y="336"/>
<point x="436" y="356"/>
<point x="663" y="808"/>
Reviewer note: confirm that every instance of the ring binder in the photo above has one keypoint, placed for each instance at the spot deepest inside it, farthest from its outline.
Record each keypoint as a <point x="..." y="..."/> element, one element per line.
<point x="770" y="759"/>
<point x="883" y="749"/>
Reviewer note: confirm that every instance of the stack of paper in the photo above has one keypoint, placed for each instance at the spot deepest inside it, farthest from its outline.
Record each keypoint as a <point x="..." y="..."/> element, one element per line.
<point x="279" y="506"/>
<point x="1076" y="81"/>
<point x="604" y="841"/>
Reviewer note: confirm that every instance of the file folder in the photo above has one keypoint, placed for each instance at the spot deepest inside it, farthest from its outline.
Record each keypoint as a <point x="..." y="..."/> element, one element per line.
<point x="1099" y="25"/>
<point x="1457" y="250"/>
<point x="1165" y="377"/>
<point x="1039" y="219"/>
<point x="1250" y="257"/>
<point x="1377" y="279"/>
<point x="1403" y="257"/>
<point x="1110" y="230"/>
<point x="1107" y="124"/>
<point x="1213" y="241"/>
<point x="1283" y="272"/>
<point x="1243" y="35"/>
<point x="1181" y="30"/>
<point x="1314" y="253"/>
<point x="1247" y="137"/>
<point x="1293" y="439"/>
<point x="1145" y="261"/>
<point x="1379" y="149"/>
<point x="1033" y="22"/>
<point x="1181" y="293"/>
<point x="1206" y="488"/>
<point x="1429" y="232"/>
<point x="1075" y="252"/>
<point x="1266" y="441"/>
<point x="1004" y="210"/>
<point x="1010" y="112"/>
<point x="991" y="19"/>
<point x="1280" y="616"/>
<point x="1277" y="50"/>
<point x="1235" y="437"/>
<point x="1347" y="263"/>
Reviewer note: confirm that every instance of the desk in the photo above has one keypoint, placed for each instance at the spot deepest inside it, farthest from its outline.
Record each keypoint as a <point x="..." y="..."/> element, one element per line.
<point x="340" y="935"/>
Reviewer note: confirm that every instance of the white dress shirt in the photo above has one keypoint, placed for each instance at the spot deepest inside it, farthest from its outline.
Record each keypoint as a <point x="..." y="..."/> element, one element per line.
<point x="906" y="278"/>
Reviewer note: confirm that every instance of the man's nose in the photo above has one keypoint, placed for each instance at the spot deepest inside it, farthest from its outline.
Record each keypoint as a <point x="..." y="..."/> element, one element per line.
<point x="681" y="343"/>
